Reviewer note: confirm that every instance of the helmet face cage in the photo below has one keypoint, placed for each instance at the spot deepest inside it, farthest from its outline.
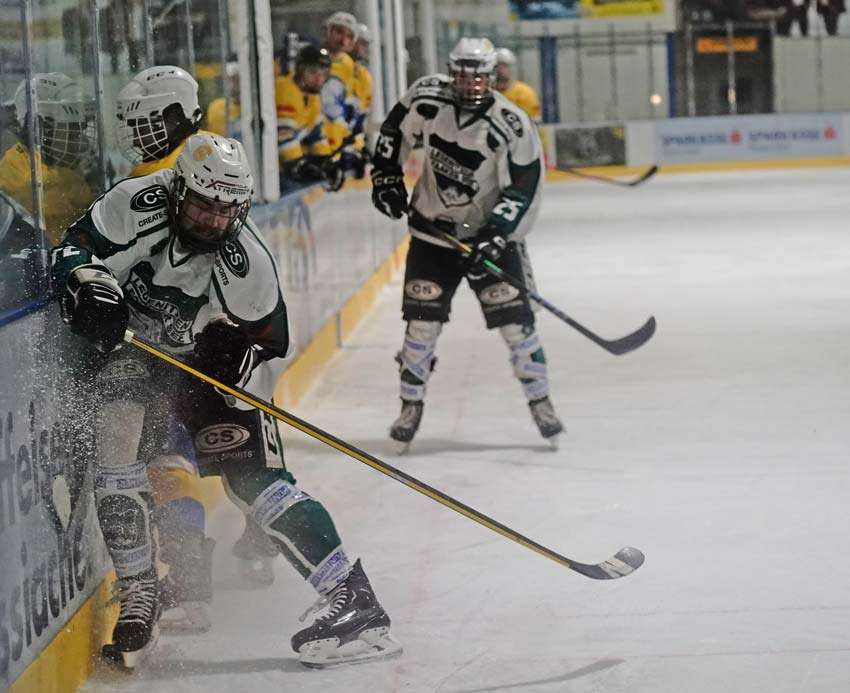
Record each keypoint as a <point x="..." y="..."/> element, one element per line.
<point x="312" y="68"/>
<point x="156" y="111"/>
<point x="66" y="133"/>
<point x="65" y="125"/>
<point x="204" y="224"/>
<point x="471" y="66"/>
<point x="212" y="192"/>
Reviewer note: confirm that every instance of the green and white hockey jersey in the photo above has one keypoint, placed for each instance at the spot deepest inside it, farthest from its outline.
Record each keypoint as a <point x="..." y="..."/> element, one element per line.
<point x="173" y="294"/>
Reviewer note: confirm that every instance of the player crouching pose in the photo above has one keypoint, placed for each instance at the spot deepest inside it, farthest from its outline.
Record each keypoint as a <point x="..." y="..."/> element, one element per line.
<point x="174" y="256"/>
<point x="480" y="181"/>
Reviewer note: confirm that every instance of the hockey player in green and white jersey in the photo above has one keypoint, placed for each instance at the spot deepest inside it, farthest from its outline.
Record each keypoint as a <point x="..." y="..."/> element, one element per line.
<point x="481" y="183"/>
<point x="175" y="257"/>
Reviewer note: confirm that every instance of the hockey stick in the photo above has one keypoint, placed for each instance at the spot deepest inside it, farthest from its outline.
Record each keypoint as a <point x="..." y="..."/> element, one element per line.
<point x="645" y="176"/>
<point x="614" y="346"/>
<point x="622" y="563"/>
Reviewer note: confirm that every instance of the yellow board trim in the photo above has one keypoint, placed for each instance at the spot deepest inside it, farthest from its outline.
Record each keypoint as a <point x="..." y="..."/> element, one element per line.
<point x="68" y="661"/>
<point x="704" y="167"/>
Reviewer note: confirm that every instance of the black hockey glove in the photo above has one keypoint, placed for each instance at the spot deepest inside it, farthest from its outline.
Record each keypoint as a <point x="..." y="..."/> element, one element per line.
<point x="388" y="192"/>
<point x="355" y="160"/>
<point x="224" y="352"/>
<point x="94" y="306"/>
<point x="334" y="173"/>
<point x="305" y="170"/>
<point x="489" y="245"/>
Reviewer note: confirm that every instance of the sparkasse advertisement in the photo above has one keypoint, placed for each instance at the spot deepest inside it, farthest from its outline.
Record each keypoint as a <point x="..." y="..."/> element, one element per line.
<point x="730" y="138"/>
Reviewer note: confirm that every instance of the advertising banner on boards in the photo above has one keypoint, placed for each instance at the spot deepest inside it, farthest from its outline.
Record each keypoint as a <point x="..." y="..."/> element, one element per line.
<point x="602" y="145"/>
<point x="742" y="138"/>
<point x="583" y="9"/>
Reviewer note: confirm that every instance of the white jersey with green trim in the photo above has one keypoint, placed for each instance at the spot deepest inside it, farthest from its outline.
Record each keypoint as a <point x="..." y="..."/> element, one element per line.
<point x="482" y="166"/>
<point x="172" y="294"/>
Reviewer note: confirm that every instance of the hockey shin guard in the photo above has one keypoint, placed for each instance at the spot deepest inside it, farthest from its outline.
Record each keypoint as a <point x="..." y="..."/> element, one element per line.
<point x="527" y="359"/>
<point x="416" y="359"/>
<point x="122" y="492"/>
<point x="303" y="530"/>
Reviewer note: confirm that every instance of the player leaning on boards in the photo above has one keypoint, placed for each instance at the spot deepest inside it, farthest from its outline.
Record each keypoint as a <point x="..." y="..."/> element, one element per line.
<point x="156" y="112"/>
<point x="200" y="282"/>
<point x="481" y="181"/>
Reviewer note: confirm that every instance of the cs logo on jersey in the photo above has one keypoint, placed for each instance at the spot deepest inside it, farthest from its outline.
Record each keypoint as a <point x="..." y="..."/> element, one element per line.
<point x="151" y="198"/>
<point x="234" y="256"/>
<point x="513" y="121"/>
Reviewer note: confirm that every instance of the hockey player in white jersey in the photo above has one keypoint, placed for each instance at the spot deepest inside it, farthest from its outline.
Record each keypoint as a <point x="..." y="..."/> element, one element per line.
<point x="480" y="182"/>
<point x="174" y="256"/>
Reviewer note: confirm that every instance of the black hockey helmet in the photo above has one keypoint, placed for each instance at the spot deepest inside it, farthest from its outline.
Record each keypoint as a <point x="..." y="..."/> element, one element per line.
<point x="312" y="67"/>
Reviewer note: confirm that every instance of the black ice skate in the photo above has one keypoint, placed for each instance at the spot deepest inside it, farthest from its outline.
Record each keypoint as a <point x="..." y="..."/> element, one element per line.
<point x="186" y="590"/>
<point x="136" y="632"/>
<point x="355" y="629"/>
<point x="547" y="420"/>
<point x="256" y="554"/>
<point x="406" y="425"/>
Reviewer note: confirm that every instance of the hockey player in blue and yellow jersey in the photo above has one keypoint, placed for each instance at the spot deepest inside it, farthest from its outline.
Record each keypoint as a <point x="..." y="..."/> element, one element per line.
<point x="306" y="156"/>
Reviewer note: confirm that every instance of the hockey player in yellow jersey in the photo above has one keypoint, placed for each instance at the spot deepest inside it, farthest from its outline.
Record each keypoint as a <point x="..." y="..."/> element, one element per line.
<point x="157" y="111"/>
<point x="520" y="93"/>
<point x="65" y="143"/>
<point x="363" y="89"/>
<point x="306" y="156"/>
<point x="338" y="92"/>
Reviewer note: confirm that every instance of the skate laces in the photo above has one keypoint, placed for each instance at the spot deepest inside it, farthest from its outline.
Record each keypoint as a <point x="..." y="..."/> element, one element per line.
<point x="335" y="601"/>
<point x="136" y="597"/>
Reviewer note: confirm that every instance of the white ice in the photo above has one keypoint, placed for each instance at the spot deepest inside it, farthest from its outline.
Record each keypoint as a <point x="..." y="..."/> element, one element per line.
<point x="720" y="449"/>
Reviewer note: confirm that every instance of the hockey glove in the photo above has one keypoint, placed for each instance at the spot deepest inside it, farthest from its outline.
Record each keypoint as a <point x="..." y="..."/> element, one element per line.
<point x="93" y="305"/>
<point x="224" y="352"/>
<point x="304" y="170"/>
<point x="489" y="245"/>
<point x="355" y="160"/>
<point x="388" y="192"/>
<point x="334" y="173"/>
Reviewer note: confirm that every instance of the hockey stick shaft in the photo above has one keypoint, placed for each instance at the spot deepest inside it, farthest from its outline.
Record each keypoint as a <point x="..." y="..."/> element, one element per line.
<point x="623" y="565"/>
<point x="614" y="346"/>
<point x="645" y="176"/>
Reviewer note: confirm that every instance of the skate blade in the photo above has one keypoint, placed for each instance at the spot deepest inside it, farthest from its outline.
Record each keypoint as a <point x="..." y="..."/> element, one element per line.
<point x="131" y="660"/>
<point x="257" y="572"/>
<point x="186" y="617"/>
<point x="372" y="645"/>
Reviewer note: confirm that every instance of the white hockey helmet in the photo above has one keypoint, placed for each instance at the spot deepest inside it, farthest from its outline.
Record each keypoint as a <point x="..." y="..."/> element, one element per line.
<point x="505" y="56"/>
<point x="157" y="110"/>
<point x="66" y="129"/>
<point x="364" y="33"/>
<point x="212" y="192"/>
<point x="471" y="65"/>
<point x="344" y="19"/>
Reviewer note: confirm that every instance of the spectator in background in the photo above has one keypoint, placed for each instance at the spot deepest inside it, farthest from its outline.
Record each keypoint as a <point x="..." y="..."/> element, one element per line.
<point x="305" y="154"/>
<point x="831" y="10"/>
<point x="64" y="129"/>
<point x="795" y="10"/>
<point x="520" y="93"/>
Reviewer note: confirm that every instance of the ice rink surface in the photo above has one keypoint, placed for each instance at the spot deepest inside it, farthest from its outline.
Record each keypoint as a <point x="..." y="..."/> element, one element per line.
<point x="720" y="449"/>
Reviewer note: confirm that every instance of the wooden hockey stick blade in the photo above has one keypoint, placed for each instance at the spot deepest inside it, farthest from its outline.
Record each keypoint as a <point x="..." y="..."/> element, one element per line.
<point x="645" y="176"/>
<point x="621" y="564"/>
